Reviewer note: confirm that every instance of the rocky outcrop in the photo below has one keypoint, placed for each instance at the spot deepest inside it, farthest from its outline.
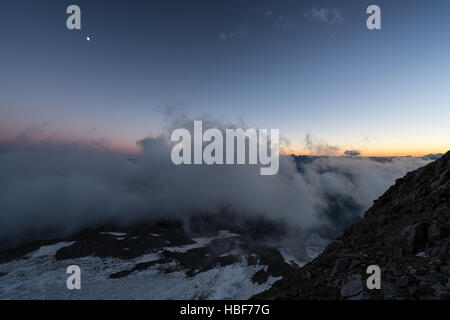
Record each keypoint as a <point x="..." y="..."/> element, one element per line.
<point x="406" y="233"/>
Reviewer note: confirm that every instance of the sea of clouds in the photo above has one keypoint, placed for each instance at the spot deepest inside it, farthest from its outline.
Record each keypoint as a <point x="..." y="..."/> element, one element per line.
<point x="58" y="188"/>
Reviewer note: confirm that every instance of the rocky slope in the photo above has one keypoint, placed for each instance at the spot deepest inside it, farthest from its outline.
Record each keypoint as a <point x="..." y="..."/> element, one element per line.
<point x="406" y="233"/>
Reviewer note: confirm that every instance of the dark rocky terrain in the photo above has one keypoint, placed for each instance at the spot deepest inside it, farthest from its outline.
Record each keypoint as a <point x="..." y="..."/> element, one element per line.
<point x="406" y="233"/>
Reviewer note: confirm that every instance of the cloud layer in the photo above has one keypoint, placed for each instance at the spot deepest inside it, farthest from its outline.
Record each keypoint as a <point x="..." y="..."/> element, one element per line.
<point x="60" y="188"/>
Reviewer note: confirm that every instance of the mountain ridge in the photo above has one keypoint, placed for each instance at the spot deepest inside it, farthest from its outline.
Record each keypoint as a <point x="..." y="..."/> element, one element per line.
<point x="405" y="232"/>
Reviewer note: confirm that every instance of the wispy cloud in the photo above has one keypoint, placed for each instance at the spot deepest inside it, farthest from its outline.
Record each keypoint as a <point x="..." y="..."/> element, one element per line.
<point x="368" y="139"/>
<point x="320" y="147"/>
<point x="239" y="33"/>
<point x="325" y="15"/>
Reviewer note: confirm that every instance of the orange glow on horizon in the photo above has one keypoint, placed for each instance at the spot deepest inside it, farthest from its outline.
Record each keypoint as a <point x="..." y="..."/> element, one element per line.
<point x="130" y="147"/>
<point x="403" y="153"/>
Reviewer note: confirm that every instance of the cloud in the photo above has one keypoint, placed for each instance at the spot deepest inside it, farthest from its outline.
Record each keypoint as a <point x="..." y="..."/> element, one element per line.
<point x="352" y="153"/>
<point x="325" y="15"/>
<point x="239" y="33"/>
<point x="368" y="139"/>
<point x="319" y="147"/>
<point x="57" y="189"/>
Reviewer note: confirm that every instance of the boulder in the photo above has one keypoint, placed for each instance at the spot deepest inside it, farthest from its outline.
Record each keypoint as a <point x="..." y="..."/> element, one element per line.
<point x="352" y="288"/>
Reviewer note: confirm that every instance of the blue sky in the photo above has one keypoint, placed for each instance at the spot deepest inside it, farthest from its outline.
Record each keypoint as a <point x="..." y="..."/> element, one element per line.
<point x="300" y="66"/>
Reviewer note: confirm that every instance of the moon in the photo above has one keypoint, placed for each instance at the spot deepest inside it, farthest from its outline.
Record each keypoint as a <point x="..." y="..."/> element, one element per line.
<point x="88" y="38"/>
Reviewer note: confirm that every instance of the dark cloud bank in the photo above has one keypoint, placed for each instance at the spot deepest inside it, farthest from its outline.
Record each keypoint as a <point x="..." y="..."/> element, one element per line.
<point x="57" y="189"/>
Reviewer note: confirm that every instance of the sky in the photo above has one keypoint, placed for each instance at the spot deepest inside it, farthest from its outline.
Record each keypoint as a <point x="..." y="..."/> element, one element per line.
<point x="308" y="68"/>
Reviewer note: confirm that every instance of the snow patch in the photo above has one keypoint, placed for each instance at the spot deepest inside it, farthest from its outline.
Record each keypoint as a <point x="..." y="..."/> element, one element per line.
<point x="289" y="258"/>
<point x="49" y="250"/>
<point x="117" y="234"/>
<point x="199" y="243"/>
<point x="202" y="242"/>
<point x="34" y="280"/>
<point x="148" y="257"/>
